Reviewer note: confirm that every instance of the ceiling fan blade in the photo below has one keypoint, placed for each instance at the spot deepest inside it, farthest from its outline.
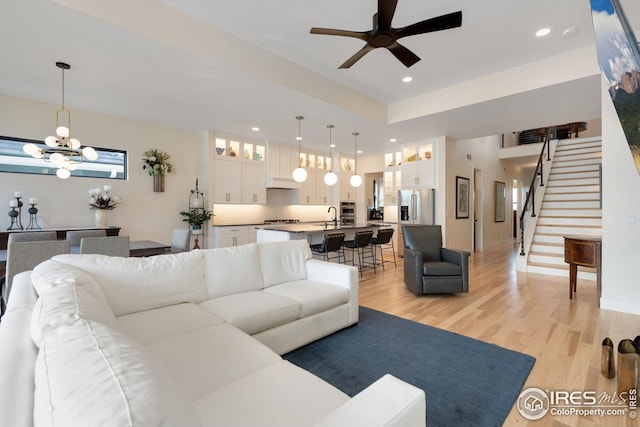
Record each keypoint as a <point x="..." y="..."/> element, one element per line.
<point x="386" y="10"/>
<point x="356" y="57"/>
<point x="444" y="22"/>
<point x="403" y="54"/>
<point x="333" y="32"/>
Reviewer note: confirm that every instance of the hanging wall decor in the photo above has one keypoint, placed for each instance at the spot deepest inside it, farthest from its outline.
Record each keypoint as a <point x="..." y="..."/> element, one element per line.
<point x="156" y="162"/>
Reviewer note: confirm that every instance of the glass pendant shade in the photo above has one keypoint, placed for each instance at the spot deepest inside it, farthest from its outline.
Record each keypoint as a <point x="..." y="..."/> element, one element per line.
<point x="300" y="175"/>
<point x="355" y="181"/>
<point x="63" y="173"/>
<point x="330" y="178"/>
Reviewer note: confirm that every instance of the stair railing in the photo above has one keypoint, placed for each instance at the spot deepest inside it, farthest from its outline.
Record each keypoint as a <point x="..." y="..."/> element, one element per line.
<point x="551" y="133"/>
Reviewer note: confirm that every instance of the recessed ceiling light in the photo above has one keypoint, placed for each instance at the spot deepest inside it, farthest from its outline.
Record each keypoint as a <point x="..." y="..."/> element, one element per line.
<point x="332" y="145"/>
<point x="570" y="31"/>
<point x="407" y="79"/>
<point x="543" y="32"/>
<point x="392" y="140"/>
<point x="255" y="128"/>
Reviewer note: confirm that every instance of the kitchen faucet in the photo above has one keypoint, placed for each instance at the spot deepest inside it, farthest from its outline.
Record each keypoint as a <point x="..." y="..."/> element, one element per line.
<point x="335" y="215"/>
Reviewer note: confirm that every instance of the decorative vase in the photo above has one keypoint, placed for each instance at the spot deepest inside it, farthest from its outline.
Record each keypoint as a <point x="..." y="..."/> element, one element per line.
<point x="100" y="218"/>
<point x="158" y="183"/>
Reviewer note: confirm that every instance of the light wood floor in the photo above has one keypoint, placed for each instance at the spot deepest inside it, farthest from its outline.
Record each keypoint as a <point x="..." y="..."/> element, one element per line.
<point x="526" y="312"/>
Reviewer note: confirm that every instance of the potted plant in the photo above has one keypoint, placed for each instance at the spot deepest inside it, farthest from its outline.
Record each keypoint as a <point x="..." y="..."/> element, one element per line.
<point x="195" y="218"/>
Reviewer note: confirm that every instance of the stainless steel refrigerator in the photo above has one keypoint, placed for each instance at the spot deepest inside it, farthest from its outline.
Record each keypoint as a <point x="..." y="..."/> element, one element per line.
<point x="415" y="207"/>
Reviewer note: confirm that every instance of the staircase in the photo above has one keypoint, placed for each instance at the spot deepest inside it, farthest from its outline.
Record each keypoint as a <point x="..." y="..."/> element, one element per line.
<point x="571" y="205"/>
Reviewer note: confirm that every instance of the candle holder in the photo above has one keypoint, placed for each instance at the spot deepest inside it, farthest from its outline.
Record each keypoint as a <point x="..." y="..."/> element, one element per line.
<point x="196" y="202"/>
<point x="19" y="219"/>
<point x="33" y="219"/>
<point x="13" y="214"/>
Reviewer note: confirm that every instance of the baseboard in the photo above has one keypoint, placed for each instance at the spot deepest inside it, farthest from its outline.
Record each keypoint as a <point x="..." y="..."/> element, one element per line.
<point x="623" y="307"/>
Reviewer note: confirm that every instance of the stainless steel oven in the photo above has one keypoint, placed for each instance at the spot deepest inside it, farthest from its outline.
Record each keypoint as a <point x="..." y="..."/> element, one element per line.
<point x="347" y="213"/>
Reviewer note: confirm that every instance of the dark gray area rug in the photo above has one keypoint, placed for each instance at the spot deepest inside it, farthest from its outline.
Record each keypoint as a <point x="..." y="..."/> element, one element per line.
<point x="467" y="382"/>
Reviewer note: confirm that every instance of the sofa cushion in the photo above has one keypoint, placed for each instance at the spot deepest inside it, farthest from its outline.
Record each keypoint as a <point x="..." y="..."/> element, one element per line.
<point x="138" y="284"/>
<point x="158" y="324"/>
<point x="204" y="360"/>
<point x="280" y="395"/>
<point x="88" y="374"/>
<point x="65" y="304"/>
<point x="254" y="311"/>
<point x="50" y="273"/>
<point x="313" y="297"/>
<point x="284" y="261"/>
<point x="232" y="270"/>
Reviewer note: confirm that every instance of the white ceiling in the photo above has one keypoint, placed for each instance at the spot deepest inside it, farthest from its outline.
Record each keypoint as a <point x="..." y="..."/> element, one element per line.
<point x="228" y="66"/>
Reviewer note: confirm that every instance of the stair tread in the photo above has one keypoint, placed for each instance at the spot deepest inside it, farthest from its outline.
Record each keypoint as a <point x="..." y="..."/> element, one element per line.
<point x="560" y="266"/>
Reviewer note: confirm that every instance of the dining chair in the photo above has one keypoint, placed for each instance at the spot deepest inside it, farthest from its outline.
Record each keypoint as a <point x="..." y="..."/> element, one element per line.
<point x="359" y="246"/>
<point x="74" y="236"/>
<point x="32" y="236"/>
<point x="180" y="240"/>
<point x="331" y="243"/>
<point x="383" y="238"/>
<point x="24" y="256"/>
<point x="111" y="246"/>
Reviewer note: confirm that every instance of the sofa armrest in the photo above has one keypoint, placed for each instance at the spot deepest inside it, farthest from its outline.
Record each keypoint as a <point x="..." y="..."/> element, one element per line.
<point x="388" y="402"/>
<point x="18" y="355"/>
<point x="462" y="259"/>
<point x="413" y="262"/>
<point x="337" y="274"/>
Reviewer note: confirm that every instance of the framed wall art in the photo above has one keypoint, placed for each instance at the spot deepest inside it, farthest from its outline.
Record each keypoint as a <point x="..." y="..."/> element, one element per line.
<point x="499" y="202"/>
<point x="462" y="197"/>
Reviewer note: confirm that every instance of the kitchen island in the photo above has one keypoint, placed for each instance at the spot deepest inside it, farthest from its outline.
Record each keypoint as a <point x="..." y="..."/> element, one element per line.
<point x="313" y="233"/>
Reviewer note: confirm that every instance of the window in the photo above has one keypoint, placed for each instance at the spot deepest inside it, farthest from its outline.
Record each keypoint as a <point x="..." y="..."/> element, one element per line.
<point x="111" y="164"/>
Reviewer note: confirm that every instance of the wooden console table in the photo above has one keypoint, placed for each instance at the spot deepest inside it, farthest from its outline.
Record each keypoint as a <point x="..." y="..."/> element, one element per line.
<point x="587" y="252"/>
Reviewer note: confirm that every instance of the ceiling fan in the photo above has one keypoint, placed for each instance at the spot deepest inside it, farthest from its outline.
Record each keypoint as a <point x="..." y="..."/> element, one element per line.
<point x="384" y="35"/>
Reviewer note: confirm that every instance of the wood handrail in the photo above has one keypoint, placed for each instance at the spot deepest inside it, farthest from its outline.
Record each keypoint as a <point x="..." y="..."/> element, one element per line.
<point x="531" y="197"/>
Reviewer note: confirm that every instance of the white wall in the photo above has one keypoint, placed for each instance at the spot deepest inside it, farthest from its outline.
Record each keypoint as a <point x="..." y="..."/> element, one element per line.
<point x="484" y="157"/>
<point x="620" y="209"/>
<point x="143" y="214"/>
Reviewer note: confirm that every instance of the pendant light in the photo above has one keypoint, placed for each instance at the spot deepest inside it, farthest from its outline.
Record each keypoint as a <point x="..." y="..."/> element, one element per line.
<point x="330" y="178"/>
<point x="299" y="173"/>
<point x="355" y="180"/>
<point x="62" y="150"/>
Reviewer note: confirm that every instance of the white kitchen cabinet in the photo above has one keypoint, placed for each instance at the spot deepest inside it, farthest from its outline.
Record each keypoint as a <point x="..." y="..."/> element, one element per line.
<point x="419" y="175"/>
<point x="392" y="183"/>
<point x="323" y="191"/>
<point x="282" y="159"/>
<point x="347" y="192"/>
<point x="228" y="181"/>
<point x="254" y="190"/>
<point x="239" y="172"/>
<point x="226" y="236"/>
<point x="307" y="192"/>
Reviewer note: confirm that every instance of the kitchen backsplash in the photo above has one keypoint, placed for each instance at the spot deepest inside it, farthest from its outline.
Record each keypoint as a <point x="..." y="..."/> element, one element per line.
<point x="279" y="206"/>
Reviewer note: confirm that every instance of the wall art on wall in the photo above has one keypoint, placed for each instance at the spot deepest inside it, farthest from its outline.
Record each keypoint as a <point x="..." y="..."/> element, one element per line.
<point x="499" y="202"/>
<point x="462" y="197"/>
<point x="619" y="59"/>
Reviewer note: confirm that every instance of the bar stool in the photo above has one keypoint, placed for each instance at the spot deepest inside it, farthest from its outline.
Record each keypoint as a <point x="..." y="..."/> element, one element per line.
<point x="361" y="241"/>
<point x="383" y="238"/>
<point x="331" y="243"/>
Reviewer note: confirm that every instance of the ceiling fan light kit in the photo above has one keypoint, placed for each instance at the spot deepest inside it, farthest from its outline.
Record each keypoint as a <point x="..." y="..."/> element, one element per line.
<point x="384" y="35"/>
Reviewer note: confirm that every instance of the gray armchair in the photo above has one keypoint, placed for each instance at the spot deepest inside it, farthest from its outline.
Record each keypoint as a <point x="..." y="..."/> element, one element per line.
<point x="428" y="267"/>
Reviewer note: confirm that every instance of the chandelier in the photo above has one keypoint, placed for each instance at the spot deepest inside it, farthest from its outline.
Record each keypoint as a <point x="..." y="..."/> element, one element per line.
<point x="62" y="150"/>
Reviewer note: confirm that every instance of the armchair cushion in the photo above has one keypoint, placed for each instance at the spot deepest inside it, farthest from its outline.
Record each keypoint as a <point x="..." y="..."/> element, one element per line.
<point x="441" y="269"/>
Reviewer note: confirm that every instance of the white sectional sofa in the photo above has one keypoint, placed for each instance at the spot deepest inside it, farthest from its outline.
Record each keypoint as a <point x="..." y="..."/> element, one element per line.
<point x="191" y="339"/>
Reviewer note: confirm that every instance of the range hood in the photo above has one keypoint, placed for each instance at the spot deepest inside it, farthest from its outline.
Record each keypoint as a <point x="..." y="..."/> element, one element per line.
<point x="284" y="183"/>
